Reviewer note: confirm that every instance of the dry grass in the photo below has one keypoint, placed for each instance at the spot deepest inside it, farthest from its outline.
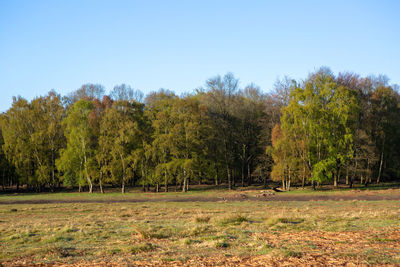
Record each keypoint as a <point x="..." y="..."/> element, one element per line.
<point x="224" y="233"/>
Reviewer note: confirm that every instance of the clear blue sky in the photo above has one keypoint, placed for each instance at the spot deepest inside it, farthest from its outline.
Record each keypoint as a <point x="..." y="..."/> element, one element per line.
<point x="177" y="45"/>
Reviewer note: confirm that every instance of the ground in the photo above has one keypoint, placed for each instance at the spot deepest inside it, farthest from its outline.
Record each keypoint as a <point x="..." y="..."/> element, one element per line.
<point x="216" y="227"/>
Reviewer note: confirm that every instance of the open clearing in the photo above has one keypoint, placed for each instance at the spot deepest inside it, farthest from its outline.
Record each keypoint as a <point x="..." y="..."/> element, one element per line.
<point x="202" y="196"/>
<point x="207" y="228"/>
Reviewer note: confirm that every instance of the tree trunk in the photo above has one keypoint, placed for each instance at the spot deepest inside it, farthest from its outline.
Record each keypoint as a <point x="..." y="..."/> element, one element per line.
<point x="165" y="181"/>
<point x="243" y="162"/>
<point x="347" y="173"/>
<point x="144" y="186"/>
<point x="88" y="179"/>
<point x="261" y="178"/>
<point x="249" y="180"/>
<point x="184" y="187"/>
<point x="4" y="177"/>
<point x="123" y="173"/>
<point x="184" y="184"/>
<point x="334" y="180"/>
<point x="368" y="173"/>
<point x="216" y="174"/>
<point x="52" y="171"/>
<point x="86" y="169"/>
<point x="242" y="175"/>
<point x="90" y="187"/>
<point x="229" y="178"/>
<point x="199" y="177"/>
<point x="355" y="171"/>
<point x="380" y="168"/>
<point x="101" y="186"/>
<point x="233" y="177"/>
<point x="265" y="181"/>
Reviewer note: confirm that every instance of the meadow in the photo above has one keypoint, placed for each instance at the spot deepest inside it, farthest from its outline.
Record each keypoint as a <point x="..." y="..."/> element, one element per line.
<point x="218" y="228"/>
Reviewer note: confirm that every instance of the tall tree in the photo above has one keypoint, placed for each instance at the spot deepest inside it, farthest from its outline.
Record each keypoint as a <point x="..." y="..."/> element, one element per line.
<point x="17" y="129"/>
<point x="47" y="136"/>
<point x="222" y="93"/>
<point x="320" y="115"/>
<point x="386" y="112"/>
<point x="284" y="155"/>
<point x="186" y="139"/>
<point x="102" y="158"/>
<point x="77" y="158"/>
<point x="87" y="91"/>
<point x="159" y="150"/>
<point x="121" y="136"/>
<point x="125" y="92"/>
<point x="249" y="111"/>
<point x="6" y="168"/>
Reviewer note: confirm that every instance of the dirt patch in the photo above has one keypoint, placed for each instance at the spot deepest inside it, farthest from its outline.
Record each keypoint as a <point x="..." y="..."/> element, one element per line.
<point x="248" y="196"/>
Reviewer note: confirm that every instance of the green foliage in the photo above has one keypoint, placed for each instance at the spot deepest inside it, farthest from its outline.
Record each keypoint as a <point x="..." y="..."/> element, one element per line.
<point x="318" y="127"/>
<point x="33" y="136"/>
<point x="324" y="129"/>
<point x="121" y="139"/>
<point x="78" y="157"/>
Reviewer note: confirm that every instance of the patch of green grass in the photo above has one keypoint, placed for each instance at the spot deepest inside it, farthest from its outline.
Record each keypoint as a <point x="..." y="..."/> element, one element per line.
<point x="373" y="257"/>
<point x="114" y="251"/>
<point x="61" y="238"/>
<point x="266" y="249"/>
<point x="234" y="220"/>
<point x="383" y="240"/>
<point x="168" y="259"/>
<point x="189" y="241"/>
<point x="201" y="230"/>
<point x="222" y="244"/>
<point x="145" y="247"/>
<point x="284" y="220"/>
<point x="291" y="253"/>
<point x="311" y="244"/>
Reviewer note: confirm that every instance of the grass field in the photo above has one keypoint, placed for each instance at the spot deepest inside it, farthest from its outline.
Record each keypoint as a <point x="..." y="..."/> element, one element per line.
<point x="223" y="232"/>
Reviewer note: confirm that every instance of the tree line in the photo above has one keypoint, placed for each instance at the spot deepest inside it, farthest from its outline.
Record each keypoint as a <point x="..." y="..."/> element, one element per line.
<point x="324" y="129"/>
